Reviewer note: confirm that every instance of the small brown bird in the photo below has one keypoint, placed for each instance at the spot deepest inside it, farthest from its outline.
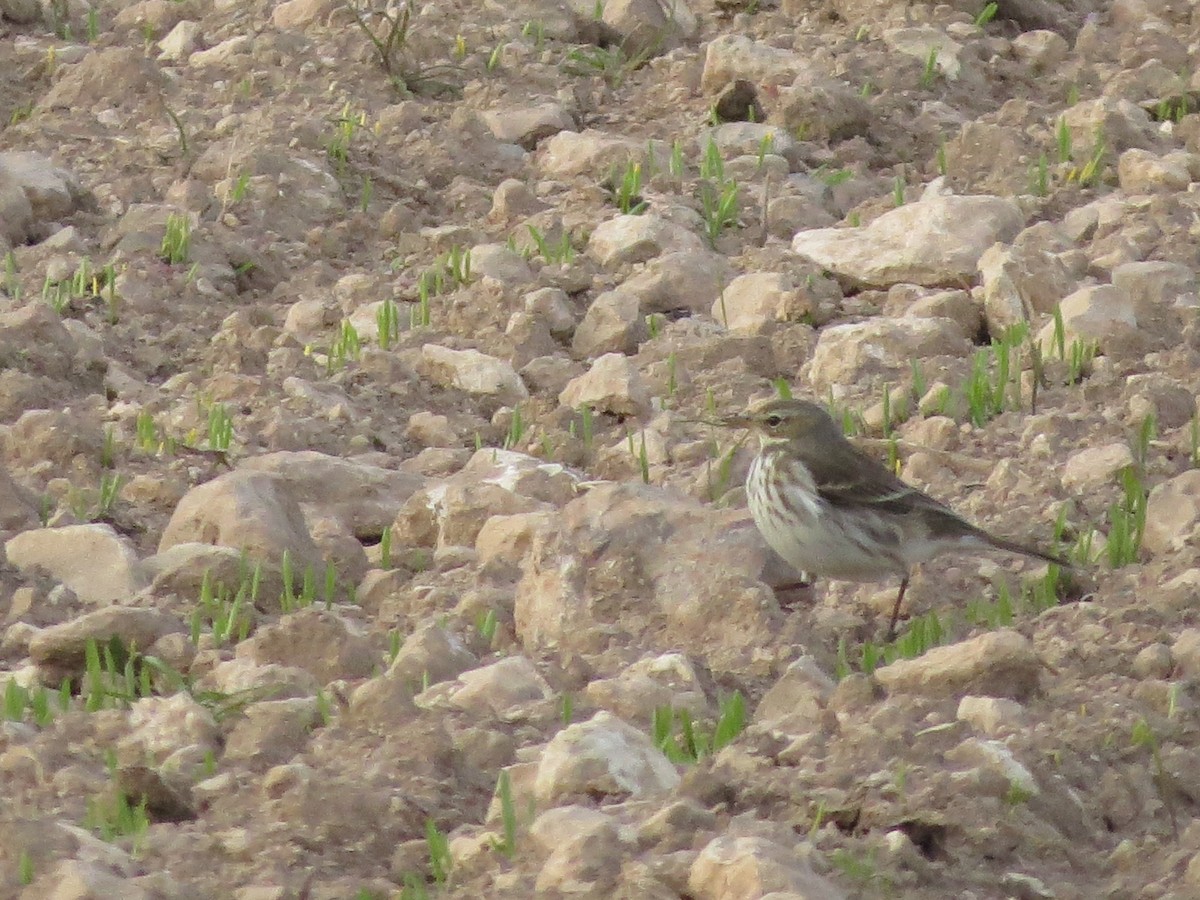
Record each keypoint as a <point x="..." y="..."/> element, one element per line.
<point x="829" y="509"/>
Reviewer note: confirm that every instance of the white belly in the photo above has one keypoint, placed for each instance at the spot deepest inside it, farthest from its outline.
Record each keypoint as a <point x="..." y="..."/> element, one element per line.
<point x="810" y="536"/>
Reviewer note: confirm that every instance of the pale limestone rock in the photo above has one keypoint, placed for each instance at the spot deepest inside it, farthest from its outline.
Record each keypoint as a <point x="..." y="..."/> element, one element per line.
<point x="244" y="674"/>
<point x="794" y="703"/>
<point x="431" y="430"/>
<point x="161" y="726"/>
<point x="310" y="317"/>
<point x="1019" y="281"/>
<point x="1041" y="49"/>
<point x="530" y="338"/>
<point x="681" y="279"/>
<point x="1156" y="284"/>
<point x="431" y="654"/>
<point x="788" y="214"/>
<point x="936" y="241"/>
<point x="613" y="324"/>
<point x="95" y="562"/>
<point x="729" y="57"/>
<point x="1180" y="592"/>
<point x="1186" y="652"/>
<point x="822" y="108"/>
<point x="17" y="224"/>
<point x="272" y="731"/>
<point x="995" y="757"/>
<point x="750" y="139"/>
<point x="513" y="199"/>
<point x="527" y="125"/>
<point x="34" y="336"/>
<point x="626" y="239"/>
<point x="602" y="757"/>
<point x="318" y="641"/>
<point x="494" y="482"/>
<point x="919" y="42"/>
<point x="63" y="646"/>
<point x="667" y="679"/>
<point x="498" y="262"/>
<point x="18" y="509"/>
<point x="74" y="879"/>
<point x="879" y="349"/>
<point x="633" y="563"/>
<point x="180" y="41"/>
<point x="1119" y="123"/>
<point x="473" y="372"/>
<point x="958" y="306"/>
<point x="297" y="14"/>
<point x="553" y="308"/>
<point x="506" y="539"/>
<point x="492" y="690"/>
<point x="647" y="27"/>
<point x="1153" y="661"/>
<point x="584" y="851"/>
<point x="53" y="192"/>
<point x="183" y="569"/>
<point x="1173" y="514"/>
<point x="362" y="497"/>
<point x="613" y="384"/>
<point x="749" y="868"/>
<point x="225" y="52"/>
<point x="996" y="664"/>
<point x="752" y="303"/>
<point x="1097" y="313"/>
<point x="21" y="12"/>
<point x="990" y="714"/>
<point x="1143" y="172"/>
<point x="570" y="153"/>
<point x="105" y="78"/>
<point x="249" y="511"/>
<point x="550" y="374"/>
<point x="1094" y="467"/>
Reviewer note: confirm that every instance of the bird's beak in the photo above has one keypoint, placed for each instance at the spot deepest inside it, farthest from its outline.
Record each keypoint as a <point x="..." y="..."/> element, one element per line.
<point x="735" y="421"/>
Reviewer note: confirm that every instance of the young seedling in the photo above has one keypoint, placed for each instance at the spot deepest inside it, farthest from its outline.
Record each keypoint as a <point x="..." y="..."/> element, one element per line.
<point x="346" y="347"/>
<point x="1143" y="735"/>
<point x="986" y="14"/>
<point x="507" y="847"/>
<point x="177" y="240"/>
<point x="387" y="320"/>
<point x="1127" y="521"/>
<point x="440" y="860"/>
<point x="220" y="428"/>
<point x="929" y="73"/>
<point x="627" y="190"/>
<point x="1062" y="139"/>
<point x="486" y="624"/>
<point x="682" y="741"/>
<point x="1147" y="432"/>
<point x="117" y="818"/>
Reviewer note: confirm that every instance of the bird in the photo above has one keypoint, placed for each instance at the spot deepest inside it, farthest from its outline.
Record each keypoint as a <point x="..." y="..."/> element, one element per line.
<point x="829" y="509"/>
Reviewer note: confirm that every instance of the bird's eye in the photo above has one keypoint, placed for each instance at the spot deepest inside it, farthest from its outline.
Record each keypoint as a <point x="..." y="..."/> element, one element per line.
<point x="774" y="420"/>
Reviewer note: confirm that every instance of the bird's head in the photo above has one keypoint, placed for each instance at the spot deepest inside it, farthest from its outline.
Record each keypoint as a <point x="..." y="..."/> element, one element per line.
<point x="777" y="420"/>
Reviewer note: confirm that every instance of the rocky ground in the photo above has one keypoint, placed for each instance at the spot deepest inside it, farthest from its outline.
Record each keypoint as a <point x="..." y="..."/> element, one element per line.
<point x="364" y="531"/>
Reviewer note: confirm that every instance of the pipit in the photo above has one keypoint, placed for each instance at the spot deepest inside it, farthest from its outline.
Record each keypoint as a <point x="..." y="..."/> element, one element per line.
<point x="829" y="509"/>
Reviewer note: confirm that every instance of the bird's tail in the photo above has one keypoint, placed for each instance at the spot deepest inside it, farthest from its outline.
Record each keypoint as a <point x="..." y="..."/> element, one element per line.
<point x="1023" y="550"/>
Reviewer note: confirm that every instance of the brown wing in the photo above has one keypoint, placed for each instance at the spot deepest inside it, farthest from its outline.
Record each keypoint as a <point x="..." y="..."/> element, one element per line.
<point x="850" y="479"/>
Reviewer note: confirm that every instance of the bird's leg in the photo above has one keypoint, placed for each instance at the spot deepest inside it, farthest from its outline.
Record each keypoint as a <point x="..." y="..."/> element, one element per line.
<point x="891" y="633"/>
